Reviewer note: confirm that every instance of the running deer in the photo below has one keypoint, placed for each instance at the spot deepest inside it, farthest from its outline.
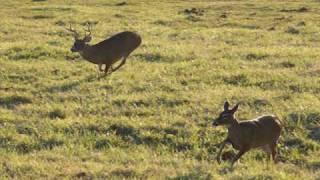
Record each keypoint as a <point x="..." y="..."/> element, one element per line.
<point x="262" y="132"/>
<point x="106" y="52"/>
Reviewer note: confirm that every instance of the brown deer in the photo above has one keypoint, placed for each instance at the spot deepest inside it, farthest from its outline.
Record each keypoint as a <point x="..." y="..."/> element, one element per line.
<point x="262" y="132"/>
<point x="106" y="52"/>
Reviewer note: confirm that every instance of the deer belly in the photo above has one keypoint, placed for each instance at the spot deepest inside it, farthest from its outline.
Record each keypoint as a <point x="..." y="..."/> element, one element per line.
<point x="111" y="60"/>
<point x="116" y="59"/>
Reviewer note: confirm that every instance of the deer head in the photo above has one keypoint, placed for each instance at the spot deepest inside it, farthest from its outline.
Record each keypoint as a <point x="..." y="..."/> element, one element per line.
<point x="226" y="117"/>
<point x="79" y="44"/>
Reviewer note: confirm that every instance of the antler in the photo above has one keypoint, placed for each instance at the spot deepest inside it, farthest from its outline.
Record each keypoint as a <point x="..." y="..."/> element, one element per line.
<point x="75" y="33"/>
<point x="88" y="29"/>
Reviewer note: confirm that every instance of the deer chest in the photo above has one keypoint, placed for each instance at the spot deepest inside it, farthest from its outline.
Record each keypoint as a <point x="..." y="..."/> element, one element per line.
<point x="235" y="140"/>
<point x="236" y="145"/>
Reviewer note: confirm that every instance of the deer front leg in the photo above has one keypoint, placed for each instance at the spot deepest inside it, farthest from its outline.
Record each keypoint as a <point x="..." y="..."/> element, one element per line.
<point x="106" y="69"/>
<point x="273" y="148"/>
<point x="220" y="150"/>
<point x="100" y="67"/>
<point x="267" y="149"/>
<point x="240" y="153"/>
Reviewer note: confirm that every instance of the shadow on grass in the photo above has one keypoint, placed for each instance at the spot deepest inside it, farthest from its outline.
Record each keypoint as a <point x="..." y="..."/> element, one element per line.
<point x="123" y="172"/>
<point x="28" y="147"/>
<point x="196" y="173"/>
<point x="127" y="133"/>
<point x="314" y="133"/>
<point x="38" y="17"/>
<point x="69" y="86"/>
<point x="133" y="135"/>
<point x="12" y="101"/>
<point x="315" y="165"/>
<point x="150" y="57"/>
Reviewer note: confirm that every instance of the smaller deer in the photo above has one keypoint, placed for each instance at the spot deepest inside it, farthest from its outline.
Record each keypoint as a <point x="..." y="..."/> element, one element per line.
<point x="106" y="52"/>
<point x="262" y="132"/>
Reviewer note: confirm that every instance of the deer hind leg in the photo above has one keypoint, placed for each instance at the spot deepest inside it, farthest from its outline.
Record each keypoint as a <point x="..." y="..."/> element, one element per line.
<point x="100" y="67"/>
<point x="121" y="64"/>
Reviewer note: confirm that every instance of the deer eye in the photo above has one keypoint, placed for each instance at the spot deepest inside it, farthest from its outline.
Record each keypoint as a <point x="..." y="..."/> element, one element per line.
<point x="225" y="115"/>
<point x="78" y="45"/>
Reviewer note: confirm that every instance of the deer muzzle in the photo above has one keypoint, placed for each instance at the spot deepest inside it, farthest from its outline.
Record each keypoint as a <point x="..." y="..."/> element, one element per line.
<point x="73" y="49"/>
<point x="215" y="123"/>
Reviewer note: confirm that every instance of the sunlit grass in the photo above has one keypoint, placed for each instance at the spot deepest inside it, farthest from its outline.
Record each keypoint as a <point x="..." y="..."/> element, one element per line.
<point x="151" y="119"/>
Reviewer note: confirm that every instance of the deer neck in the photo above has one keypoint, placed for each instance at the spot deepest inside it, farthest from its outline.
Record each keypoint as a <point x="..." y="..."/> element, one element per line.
<point x="234" y="124"/>
<point x="88" y="54"/>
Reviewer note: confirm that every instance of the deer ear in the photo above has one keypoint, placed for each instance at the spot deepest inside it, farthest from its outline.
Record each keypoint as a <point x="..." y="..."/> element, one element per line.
<point x="235" y="108"/>
<point x="87" y="39"/>
<point x="226" y="106"/>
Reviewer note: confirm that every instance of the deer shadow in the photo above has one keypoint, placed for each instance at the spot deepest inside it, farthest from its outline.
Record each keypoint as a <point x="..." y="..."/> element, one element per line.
<point x="69" y="86"/>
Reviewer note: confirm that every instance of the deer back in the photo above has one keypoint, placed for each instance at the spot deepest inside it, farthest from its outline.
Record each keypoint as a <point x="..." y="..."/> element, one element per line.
<point x="113" y="48"/>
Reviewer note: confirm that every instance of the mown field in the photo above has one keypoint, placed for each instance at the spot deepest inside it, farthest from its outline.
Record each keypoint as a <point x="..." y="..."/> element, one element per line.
<point x="59" y="118"/>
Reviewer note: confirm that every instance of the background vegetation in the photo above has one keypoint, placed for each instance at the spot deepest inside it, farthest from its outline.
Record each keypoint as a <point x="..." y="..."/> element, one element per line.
<point x="152" y="118"/>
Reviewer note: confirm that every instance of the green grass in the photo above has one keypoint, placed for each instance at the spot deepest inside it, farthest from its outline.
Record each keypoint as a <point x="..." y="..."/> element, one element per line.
<point x="152" y="118"/>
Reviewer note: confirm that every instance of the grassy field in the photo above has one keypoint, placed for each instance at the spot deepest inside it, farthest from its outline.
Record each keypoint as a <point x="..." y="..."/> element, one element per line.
<point x="152" y="118"/>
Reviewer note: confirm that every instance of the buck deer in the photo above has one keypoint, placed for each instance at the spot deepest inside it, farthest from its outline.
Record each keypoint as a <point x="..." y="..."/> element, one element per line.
<point x="106" y="52"/>
<point x="262" y="132"/>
